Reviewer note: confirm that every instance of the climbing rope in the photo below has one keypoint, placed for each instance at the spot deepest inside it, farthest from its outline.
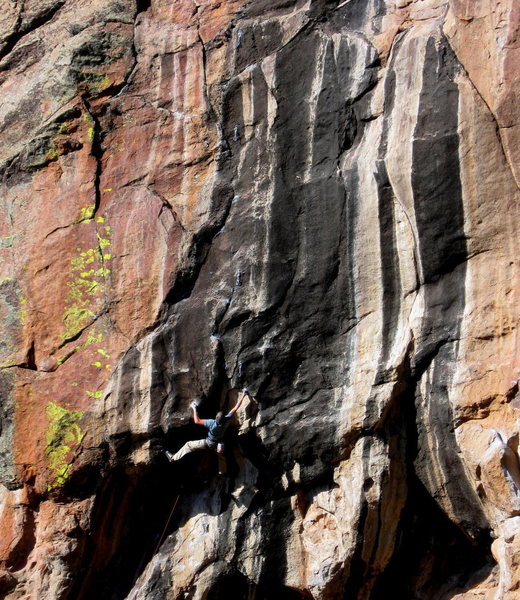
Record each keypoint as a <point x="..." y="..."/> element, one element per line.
<point x="166" y="526"/>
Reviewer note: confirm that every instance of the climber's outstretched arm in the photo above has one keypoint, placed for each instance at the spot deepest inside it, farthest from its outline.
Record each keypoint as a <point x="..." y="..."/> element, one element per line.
<point x="196" y="418"/>
<point x="241" y="397"/>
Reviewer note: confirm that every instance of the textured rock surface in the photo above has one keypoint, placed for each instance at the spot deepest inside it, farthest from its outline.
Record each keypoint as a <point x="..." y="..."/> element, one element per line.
<point x="317" y="199"/>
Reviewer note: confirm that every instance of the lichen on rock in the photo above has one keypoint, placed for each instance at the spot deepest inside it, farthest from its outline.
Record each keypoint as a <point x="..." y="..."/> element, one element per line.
<point x="63" y="438"/>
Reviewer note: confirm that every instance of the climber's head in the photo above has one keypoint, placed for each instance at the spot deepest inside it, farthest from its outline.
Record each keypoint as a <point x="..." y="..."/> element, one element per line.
<point x="220" y="417"/>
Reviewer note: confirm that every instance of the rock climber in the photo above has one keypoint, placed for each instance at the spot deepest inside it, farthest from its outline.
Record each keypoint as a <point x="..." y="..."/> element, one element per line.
<point x="216" y="431"/>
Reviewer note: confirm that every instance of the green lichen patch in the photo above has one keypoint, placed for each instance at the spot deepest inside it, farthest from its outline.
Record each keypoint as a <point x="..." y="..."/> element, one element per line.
<point x="88" y="273"/>
<point x="94" y="337"/>
<point x="74" y="320"/>
<point x="104" y="241"/>
<point x="63" y="438"/>
<point x="86" y="213"/>
<point x="51" y="155"/>
<point x="23" y="313"/>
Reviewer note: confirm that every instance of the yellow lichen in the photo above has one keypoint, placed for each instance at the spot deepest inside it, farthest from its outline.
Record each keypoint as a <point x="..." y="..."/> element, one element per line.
<point x="86" y="213"/>
<point x="103" y="272"/>
<point x="51" y="155"/>
<point x="63" y="437"/>
<point x="63" y="128"/>
<point x="94" y="337"/>
<point x="86" y="282"/>
<point x="103" y="242"/>
<point x="74" y="319"/>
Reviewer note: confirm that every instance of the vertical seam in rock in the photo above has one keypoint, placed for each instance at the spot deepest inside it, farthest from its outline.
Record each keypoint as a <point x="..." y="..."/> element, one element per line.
<point x="492" y="114"/>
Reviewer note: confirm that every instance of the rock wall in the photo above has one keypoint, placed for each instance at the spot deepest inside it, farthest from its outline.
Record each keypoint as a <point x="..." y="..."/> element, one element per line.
<point x="315" y="199"/>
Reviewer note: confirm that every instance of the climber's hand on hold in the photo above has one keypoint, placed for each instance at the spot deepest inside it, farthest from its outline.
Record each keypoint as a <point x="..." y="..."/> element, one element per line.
<point x="194" y="406"/>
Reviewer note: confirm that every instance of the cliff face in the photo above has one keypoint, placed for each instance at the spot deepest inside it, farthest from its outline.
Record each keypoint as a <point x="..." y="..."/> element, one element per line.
<point x="315" y="199"/>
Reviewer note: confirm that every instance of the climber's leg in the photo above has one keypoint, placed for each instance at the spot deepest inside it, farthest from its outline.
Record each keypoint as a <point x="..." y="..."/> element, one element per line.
<point x="190" y="447"/>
